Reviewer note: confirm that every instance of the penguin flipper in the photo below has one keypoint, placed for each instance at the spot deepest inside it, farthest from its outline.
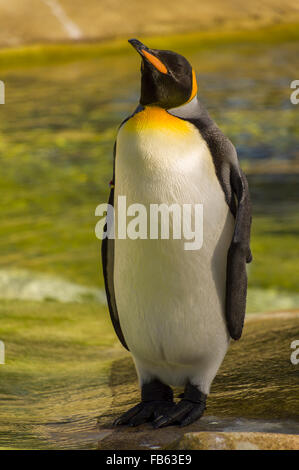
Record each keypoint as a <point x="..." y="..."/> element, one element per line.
<point x="107" y="252"/>
<point x="235" y="188"/>
<point x="238" y="255"/>
<point x="108" y="256"/>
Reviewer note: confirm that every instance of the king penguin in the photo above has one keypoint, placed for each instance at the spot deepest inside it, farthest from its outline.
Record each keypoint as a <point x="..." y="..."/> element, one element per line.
<point x="176" y="310"/>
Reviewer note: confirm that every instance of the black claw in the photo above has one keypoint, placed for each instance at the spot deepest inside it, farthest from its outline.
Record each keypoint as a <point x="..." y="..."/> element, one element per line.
<point x="174" y="415"/>
<point x="160" y="422"/>
<point x="125" y="418"/>
<point x="183" y="414"/>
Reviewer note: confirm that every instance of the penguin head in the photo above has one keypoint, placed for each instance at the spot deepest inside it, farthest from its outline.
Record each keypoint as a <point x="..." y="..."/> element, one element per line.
<point x="167" y="78"/>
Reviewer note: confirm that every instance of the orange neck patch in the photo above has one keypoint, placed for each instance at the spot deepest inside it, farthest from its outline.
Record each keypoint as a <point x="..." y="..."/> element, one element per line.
<point x="155" y="118"/>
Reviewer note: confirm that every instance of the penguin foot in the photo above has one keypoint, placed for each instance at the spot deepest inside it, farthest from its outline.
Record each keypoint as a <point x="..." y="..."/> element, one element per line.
<point x="156" y="400"/>
<point x="144" y="412"/>
<point x="188" y="410"/>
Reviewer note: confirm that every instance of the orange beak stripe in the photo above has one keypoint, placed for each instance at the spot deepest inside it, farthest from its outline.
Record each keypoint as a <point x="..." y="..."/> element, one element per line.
<point x="155" y="61"/>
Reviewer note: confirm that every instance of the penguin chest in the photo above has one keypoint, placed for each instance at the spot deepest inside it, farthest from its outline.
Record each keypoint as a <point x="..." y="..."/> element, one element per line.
<point x="170" y="299"/>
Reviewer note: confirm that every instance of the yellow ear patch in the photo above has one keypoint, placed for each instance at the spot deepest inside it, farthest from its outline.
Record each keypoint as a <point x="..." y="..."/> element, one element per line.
<point x="194" y="86"/>
<point x="154" y="61"/>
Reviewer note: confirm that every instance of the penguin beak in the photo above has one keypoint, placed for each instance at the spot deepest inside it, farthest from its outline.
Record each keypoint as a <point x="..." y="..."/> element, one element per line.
<point x="148" y="55"/>
<point x="138" y="45"/>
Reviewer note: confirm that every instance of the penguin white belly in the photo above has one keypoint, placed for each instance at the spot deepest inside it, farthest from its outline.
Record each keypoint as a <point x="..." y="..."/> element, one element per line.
<point x="170" y="300"/>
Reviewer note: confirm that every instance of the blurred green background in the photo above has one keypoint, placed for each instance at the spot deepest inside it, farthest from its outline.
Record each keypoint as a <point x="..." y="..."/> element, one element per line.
<point x="60" y="121"/>
<point x="64" y="102"/>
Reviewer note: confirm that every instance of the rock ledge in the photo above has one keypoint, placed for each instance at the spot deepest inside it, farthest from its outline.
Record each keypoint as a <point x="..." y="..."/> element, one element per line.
<point x="236" y="441"/>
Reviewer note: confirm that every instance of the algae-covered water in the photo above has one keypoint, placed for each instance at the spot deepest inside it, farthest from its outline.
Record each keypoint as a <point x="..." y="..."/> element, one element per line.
<point x="57" y="130"/>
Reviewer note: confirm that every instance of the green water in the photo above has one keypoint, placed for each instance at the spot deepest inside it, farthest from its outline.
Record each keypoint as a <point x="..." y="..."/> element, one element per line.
<point x="55" y="381"/>
<point x="57" y="130"/>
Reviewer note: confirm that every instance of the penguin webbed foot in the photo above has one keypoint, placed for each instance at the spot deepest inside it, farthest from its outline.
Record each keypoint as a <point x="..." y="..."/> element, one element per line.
<point x="157" y="400"/>
<point x="188" y="410"/>
<point x="144" y="412"/>
<point x="183" y="413"/>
